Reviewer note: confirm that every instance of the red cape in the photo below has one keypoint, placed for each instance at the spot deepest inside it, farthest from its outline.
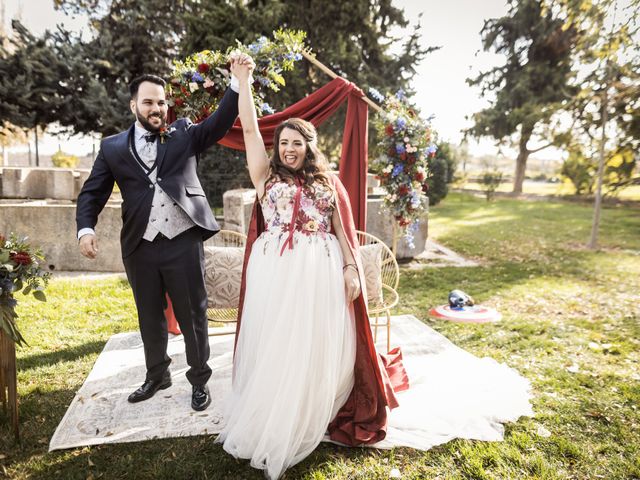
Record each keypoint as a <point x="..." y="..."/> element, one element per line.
<point x="363" y="418"/>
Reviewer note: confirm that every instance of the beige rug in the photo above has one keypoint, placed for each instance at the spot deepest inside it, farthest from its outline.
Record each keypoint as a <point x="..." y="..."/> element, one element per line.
<point x="100" y="413"/>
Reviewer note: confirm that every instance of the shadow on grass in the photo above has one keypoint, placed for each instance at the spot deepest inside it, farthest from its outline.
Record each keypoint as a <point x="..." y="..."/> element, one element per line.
<point x="65" y="355"/>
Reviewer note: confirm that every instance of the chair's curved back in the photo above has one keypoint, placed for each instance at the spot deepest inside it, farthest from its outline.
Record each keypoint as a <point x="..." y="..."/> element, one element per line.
<point x="225" y="238"/>
<point x="390" y="272"/>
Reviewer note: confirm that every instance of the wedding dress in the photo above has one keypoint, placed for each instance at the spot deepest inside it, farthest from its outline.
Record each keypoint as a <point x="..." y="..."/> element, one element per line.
<point x="294" y="359"/>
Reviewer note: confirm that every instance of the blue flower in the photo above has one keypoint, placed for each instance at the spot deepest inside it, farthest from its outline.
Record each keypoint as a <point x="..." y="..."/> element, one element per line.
<point x="400" y="95"/>
<point x="266" y="108"/>
<point x="188" y="75"/>
<point x="400" y="148"/>
<point x="376" y="95"/>
<point x="397" y="170"/>
<point x="413" y="228"/>
<point x="432" y="149"/>
<point x="409" y="240"/>
<point x="400" y="124"/>
<point x="196" y="77"/>
<point x="264" y="81"/>
<point x="258" y="45"/>
<point x="297" y="57"/>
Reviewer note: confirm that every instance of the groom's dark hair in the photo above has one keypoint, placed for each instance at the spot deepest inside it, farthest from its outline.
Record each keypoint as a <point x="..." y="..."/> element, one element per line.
<point x="135" y="83"/>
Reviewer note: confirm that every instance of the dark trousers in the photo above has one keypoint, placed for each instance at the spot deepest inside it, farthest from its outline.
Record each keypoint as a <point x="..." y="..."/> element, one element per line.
<point x="174" y="266"/>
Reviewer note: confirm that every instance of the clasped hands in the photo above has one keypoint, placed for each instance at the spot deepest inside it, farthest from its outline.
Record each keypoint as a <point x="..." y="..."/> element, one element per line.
<point x="242" y="65"/>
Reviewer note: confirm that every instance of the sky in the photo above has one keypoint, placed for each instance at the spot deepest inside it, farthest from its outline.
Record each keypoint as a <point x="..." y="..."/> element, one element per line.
<point x="440" y="84"/>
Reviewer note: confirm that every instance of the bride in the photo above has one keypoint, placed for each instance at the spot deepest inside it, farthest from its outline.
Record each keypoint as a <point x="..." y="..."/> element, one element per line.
<point x="305" y="367"/>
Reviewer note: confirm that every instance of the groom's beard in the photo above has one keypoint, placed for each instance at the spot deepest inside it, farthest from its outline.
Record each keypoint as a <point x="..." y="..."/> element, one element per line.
<point x="144" y="121"/>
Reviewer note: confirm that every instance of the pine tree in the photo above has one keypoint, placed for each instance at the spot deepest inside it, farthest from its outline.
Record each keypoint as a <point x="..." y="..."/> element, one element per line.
<point x="532" y="85"/>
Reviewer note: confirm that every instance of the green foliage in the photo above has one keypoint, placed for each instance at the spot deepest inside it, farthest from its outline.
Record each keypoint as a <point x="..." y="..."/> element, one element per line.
<point x="437" y="187"/>
<point x="490" y="181"/>
<point x="63" y="160"/>
<point x="535" y="80"/>
<point x="619" y="171"/>
<point x="354" y="39"/>
<point x="580" y="171"/>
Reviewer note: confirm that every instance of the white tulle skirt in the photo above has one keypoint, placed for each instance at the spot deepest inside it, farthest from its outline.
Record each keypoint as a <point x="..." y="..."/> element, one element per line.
<point x="294" y="360"/>
<point x="294" y="367"/>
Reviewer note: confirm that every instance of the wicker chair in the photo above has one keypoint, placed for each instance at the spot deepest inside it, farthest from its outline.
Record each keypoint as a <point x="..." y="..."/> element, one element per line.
<point x="226" y="316"/>
<point x="390" y="276"/>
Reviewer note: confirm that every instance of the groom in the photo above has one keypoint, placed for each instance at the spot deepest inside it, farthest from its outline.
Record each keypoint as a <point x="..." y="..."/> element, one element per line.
<point x="166" y="217"/>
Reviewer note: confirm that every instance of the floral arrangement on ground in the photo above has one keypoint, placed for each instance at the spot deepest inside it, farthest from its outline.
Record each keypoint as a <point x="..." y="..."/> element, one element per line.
<point x="20" y="270"/>
<point x="198" y="83"/>
<point x="405" y="145"/>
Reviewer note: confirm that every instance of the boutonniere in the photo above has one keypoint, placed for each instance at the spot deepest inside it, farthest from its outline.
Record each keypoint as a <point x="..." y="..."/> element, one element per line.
<point x="165" y="133"/>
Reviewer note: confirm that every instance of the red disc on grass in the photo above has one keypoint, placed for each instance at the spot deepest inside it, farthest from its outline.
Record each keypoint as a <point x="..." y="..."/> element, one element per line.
<point x="475" y="314"/>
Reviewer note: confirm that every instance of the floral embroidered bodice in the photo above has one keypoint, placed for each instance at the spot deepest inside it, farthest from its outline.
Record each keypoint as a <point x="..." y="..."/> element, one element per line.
<point x="314" y="211"/>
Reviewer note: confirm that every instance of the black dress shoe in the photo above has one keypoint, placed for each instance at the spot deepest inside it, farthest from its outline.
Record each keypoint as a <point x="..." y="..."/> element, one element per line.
<point x="200" y="398"/>
<point x="149" y="389"/>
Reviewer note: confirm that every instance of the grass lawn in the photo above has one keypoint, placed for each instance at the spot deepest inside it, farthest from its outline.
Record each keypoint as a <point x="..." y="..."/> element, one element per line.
<point x="548" y="188"/>
<point x="570" y="325"/>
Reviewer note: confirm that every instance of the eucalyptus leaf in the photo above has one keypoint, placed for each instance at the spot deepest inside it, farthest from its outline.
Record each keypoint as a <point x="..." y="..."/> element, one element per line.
<point x="39" y="295"/>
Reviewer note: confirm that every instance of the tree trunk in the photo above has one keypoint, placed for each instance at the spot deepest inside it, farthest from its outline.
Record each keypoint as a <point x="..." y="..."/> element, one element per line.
<point x="28" y="145"/>
<point x="593" y="241"/>
<point x="523" y="156"/>
<point x="37" y="153"/>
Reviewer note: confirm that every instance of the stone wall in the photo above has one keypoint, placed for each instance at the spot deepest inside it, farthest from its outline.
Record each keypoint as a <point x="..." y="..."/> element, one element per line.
<point x="41" y="183"/>
<point x="53" y="228"/>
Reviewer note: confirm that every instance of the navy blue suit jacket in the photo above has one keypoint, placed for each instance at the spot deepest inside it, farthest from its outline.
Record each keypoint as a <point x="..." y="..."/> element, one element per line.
<point x="176" y="163"/>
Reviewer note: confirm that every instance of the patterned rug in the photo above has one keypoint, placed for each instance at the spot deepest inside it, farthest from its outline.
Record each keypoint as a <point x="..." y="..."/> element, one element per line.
<point x="100" y="413"/>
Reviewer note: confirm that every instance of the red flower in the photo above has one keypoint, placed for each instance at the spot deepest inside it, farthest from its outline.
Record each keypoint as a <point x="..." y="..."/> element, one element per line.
<point x="403" y="189"/>
<point x="403" y="221"/>
<point x="419" y="176"/>
<point x="21" y="258"/>
<point x="411" y="159"/>
<point x="179" y="102"/>
<point x="389" y="130"/>
<point x="403" y="156"/>
<point x="391" y="152"/>
<point x="203" y="68"/>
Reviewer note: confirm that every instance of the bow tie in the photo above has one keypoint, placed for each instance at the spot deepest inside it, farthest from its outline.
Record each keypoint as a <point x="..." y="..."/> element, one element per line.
<point x="151" y="137"/>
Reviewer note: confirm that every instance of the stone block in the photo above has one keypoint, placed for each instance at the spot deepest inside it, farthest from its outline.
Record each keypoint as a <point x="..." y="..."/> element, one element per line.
<point x="53" y="228"/>
<point x="380" y="224"/>
<point x="238" y="205"/>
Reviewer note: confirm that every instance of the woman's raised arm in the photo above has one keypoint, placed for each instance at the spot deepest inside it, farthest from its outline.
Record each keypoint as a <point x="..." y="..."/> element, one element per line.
<point x="257" y="158"/>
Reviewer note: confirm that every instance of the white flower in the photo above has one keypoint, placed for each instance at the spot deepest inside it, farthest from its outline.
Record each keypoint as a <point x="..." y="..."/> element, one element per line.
<point x="193" y="86"/>
<point x="406" y="139"/>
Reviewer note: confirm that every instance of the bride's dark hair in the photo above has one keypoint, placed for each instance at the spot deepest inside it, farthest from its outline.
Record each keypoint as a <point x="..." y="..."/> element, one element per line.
<point x="315" y="166"/>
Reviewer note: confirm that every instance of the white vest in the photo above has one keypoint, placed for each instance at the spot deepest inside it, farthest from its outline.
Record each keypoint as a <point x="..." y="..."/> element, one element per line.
<point x="166" y="216"/>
